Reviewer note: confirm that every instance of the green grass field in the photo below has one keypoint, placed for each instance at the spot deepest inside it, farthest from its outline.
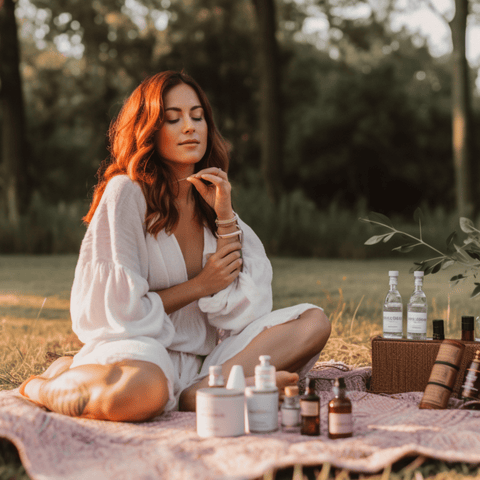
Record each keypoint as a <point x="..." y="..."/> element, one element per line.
<point x="35" y="324"/>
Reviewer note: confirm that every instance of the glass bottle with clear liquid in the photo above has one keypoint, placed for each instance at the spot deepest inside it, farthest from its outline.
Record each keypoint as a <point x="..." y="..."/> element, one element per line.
<point x="417" y="311"/>
<point x="393" y="310"/>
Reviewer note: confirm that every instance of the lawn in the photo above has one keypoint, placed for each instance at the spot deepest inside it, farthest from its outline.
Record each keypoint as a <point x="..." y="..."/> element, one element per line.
<point x="35" y="321"/>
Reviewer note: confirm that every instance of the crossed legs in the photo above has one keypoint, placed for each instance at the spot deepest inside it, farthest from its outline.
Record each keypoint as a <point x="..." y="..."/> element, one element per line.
<point x="134" y="390"/>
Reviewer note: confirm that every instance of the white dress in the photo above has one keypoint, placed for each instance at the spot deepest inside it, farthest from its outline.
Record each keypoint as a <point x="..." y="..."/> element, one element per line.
<point x="117" y="314"/>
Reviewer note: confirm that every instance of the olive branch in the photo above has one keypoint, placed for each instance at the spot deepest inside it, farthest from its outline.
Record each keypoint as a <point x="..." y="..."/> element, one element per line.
<point x="467" y="255"/>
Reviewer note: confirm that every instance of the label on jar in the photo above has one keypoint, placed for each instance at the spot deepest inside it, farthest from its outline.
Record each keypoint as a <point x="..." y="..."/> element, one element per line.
<point x="309" y="409"/>
<point x="436" y="396"/>
<point x="340" y="423"/>
<point x="443" y="374"/>
<point x="392" y="322"/>
<point x="450" y="353"/>
<point x="262" y="410"/>
<point x="417" y="322"/>
<point x="290" y="417"/>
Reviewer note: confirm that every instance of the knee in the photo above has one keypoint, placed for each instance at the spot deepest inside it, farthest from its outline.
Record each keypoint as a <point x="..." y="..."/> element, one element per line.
<point x="316" y="328"/>
<point x="139" y="398"/>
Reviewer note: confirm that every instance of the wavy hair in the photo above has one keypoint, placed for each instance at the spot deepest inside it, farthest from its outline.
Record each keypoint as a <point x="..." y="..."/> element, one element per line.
<point x="132" y="152"/>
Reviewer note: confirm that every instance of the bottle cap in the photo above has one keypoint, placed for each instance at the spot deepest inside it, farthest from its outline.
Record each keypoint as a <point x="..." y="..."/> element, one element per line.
<point x="393" y="273"/>
<point x="418" y="274"/>
<point x="438" y="327"/>
<point x="236" y="379"/>
<point x="215" y="375"/>
<point x="265" y="373"/>
<point x="467" y="322"/>
<point x="339" y="382"/>
<point x="291" y="391"/>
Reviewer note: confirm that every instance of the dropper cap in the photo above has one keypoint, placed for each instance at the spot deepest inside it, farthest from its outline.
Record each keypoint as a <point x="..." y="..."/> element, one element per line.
<point x="338" y="384"/>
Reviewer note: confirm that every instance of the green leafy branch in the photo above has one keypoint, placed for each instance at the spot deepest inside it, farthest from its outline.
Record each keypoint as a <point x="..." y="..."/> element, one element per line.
<point x="467" y="255"/>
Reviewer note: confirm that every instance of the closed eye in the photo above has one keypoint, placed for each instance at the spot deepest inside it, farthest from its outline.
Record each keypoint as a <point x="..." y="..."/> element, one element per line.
<point x="173" y="121"/>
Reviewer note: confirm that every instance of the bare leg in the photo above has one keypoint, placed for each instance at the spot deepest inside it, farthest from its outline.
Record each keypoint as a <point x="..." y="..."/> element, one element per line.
<point x="130" y="390"/>
<point x="290" y="346"/>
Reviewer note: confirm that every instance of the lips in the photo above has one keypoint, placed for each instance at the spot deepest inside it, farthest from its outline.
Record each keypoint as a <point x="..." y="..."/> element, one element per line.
<point x="190" y="142"/>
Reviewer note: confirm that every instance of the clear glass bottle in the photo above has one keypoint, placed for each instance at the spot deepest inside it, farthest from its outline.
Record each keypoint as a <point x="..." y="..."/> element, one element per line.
<point x="310" y="410"/>
<point x="393" y="309"/>
<point x="291" y="410"/>
<point x="215" y="376"/>
<point x="417" y="311"/>
<point x="340" y="420"/>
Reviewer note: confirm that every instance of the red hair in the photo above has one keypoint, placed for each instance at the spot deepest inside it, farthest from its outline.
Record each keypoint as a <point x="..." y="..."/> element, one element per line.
<point x="132" y="153"/>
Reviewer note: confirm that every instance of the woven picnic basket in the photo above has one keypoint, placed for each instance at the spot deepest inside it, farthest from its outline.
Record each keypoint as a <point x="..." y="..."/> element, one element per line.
<point x="402" y="365"/>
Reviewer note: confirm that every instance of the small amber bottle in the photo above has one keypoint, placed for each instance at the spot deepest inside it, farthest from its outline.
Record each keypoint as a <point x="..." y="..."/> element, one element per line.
<point x="310" y="410"/>
<point x="438" y="330"/>
<point x="340" y="420"/>
<point x="468" y="328"/>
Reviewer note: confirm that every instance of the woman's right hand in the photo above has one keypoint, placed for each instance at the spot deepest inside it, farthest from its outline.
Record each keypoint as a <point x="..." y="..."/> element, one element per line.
<point x="221" y="269"/>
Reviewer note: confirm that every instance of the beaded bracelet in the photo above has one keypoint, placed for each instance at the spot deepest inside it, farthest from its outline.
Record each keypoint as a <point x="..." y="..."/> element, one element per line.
<point x="224" y="223"/>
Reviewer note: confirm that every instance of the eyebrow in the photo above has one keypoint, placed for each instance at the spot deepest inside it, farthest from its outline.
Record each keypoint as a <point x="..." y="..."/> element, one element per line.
<point x="176" y="109"/>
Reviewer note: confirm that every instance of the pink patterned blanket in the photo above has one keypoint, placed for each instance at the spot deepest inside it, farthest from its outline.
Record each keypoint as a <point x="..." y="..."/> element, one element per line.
<point x="386" y="428"/>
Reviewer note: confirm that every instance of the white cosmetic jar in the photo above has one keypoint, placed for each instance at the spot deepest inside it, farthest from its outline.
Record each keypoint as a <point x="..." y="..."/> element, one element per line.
<point x="220" y="412"/>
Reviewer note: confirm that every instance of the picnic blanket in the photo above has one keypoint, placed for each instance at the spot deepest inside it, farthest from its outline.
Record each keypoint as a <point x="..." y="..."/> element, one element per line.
<point x="386" y="428"/>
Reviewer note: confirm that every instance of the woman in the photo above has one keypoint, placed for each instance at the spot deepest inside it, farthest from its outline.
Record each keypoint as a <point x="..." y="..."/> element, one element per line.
<point x="164" y="263"/>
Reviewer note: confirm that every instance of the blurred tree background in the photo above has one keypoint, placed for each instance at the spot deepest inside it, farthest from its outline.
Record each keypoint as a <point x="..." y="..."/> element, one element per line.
<point x="322" y="126"/>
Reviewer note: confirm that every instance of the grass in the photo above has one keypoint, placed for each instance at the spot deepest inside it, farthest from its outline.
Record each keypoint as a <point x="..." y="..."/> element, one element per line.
<point x="35" y="329"/>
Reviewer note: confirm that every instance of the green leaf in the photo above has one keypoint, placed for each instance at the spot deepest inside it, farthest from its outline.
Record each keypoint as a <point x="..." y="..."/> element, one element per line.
<point x="451" y="238"/>
<point x="467" y="225"/>
<point x="474" y="255"/>
<point x="380" y="218"/>
<point x="457" y="277"/>
<point x="437" y="267"/>
<point x="375" y="239"/>
<point x="418" y="215"/>
<point x="388" y="237"/>
<point x="476" y="291"/>
<point x="408" y="247"/>
<point x="447" y="264"/>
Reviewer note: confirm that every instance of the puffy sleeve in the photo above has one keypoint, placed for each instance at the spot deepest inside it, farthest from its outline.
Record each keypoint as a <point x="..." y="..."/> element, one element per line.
<point x="249" y="296"/>
<point x="110" y="297"/>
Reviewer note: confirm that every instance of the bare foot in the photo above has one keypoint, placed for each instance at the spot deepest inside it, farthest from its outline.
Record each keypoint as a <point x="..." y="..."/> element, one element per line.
<point x="30" y="387"/>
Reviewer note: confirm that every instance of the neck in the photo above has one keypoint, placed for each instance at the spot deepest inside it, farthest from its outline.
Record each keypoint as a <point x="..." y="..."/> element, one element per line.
<point x="184" y="187"/>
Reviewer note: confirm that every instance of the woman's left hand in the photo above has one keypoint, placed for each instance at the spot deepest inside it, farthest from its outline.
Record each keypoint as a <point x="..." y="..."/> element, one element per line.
<point x="218" y="193"/>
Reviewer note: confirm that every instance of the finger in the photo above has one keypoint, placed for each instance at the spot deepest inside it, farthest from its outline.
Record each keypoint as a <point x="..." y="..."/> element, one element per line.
<point x="216" y="180"/>
<point x="199" y="185"/>
<point x="228" y="248"/>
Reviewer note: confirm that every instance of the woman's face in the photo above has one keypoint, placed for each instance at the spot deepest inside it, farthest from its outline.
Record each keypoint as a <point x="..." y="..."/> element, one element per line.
<point x="182" y="140"/>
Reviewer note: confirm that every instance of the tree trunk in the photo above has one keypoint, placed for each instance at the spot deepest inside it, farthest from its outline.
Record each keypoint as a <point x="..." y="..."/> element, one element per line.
<point x="270" y="107"/>
<point x="13" y="124"/>
<point x="461" y="114"/>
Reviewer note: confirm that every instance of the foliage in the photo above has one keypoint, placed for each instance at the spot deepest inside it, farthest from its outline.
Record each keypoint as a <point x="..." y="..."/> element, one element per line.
<point x="466" y="255"/>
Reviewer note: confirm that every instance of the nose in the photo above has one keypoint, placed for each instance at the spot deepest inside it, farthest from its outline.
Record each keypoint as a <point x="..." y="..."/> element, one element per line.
<point x="188" y="126"/>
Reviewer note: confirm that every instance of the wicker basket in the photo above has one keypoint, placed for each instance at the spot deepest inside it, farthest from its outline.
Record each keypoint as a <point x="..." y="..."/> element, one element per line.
<point x="400" y="366"/>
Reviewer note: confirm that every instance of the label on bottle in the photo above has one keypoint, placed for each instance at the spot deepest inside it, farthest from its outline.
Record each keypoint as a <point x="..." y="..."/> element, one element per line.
<point x="290" y="417"/>
<point x="340" y="423"/>
<point x="392" y="322"/>
<point x="309" y="409"/>
<point x="417" y="322"/>
<point x="262" y="410"/>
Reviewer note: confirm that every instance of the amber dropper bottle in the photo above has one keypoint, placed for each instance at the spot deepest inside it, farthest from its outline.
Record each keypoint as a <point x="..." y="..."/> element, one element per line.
<point x="468" y="328"/>
<point x="310" y="410"/>
<point x="340" y="421"/>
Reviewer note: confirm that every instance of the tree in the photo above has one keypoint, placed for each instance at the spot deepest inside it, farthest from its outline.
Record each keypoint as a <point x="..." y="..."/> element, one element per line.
<point x="13" y="151"/>
<point x="270" y="104"/>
